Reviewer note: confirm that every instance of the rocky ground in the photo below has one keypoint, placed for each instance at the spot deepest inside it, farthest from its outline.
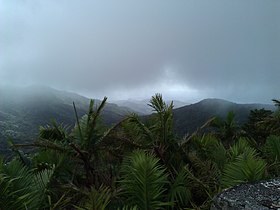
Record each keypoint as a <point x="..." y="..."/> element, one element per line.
<point x="260" y="195"/>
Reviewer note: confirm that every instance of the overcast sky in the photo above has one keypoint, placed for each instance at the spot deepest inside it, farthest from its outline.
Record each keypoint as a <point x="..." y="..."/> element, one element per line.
<point x="185" y="49"/>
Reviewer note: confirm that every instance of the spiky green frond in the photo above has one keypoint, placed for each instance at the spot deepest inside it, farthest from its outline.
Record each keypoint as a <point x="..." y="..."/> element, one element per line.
<point x="53" y="132"/>
<point x="272" y="154"/>
<point x="276" y="103"/>
<point x="78" y="126"/>
<point x="97" y="199"/>
<point x="272" y="148"/>
<point x="245" y="167"/>
<point x="163" y="118"/>
<point x="179" y="192"/>
<point x="143" y="181"/>
<point x="240" y="147"/>
<point x="219" y="155"/>
<point x="129" y="208"/>
<point x="22" y="188"/>
<point x="139" y="129"/>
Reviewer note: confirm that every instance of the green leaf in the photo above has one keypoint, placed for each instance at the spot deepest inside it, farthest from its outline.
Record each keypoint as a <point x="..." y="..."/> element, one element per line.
<point x="143" y="181"/>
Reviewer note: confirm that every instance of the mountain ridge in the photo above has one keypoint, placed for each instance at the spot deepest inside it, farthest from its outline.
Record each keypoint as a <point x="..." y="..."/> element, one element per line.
<point x="188" y="118"/>
<point x="22" y="111"/>
<point x="141" y="106"/>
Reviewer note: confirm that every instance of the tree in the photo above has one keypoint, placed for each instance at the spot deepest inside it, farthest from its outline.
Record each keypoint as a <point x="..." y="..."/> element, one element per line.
<point x="145" y="184"/>
<point x="255" y="128"/>
<point x="227" y="130"/>
<point x="157" y="135"/>
<point x="272" y="122"/>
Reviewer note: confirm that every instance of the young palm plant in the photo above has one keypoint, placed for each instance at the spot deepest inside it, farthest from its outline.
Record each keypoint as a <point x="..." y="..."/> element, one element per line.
<point x="97" y="199"/>
<point x="272" y="153"/>
<point x="83" y="157"/>
<point x="157" y="135"/>
<point x="245" y="165"/>
<point x="143" y="181"/>
<point x="227" y="130"/>
<point x="23" y="188"/>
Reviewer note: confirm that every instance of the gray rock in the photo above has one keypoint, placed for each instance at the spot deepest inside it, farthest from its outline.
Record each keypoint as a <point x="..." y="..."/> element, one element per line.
<point x="253" y="196"/>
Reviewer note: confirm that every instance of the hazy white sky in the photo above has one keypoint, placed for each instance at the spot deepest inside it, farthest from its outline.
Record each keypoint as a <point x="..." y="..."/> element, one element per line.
<point x="185" y="49"/>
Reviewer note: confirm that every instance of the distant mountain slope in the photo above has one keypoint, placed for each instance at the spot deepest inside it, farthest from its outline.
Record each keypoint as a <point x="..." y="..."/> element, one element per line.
<point x="23" y="110"/>
<point x="141" y="106"/>
<point x="188" y="118"/>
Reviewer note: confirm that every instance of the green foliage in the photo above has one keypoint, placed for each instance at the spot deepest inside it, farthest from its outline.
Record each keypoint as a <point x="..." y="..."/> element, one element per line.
<point x="272" y="148"/>
<point x="21" y="188"/>
<point x="179" y="192"/>
<point x="227" y="130"/>
<point x="254" y="127"/>
<point x="158" y="137"/>
<point x="88" y="167"/>
<point x="138" y="131"/>
<point x="143" y="181"/>
<point x="87" y="130"/>
<point x="204" y="176"/>
<point x="219" y="155"/>
<point x="240" y="147"/>
<point x="54" y="132"/>
<point x="129" y="208"/>
<point x="272" y="154"/>
<point x="276" y="103"/>
<point x="272" y="122"/>
<point x="163" y="118"/>
<point x="245" y="167"/>
<point x="204" y="144"/>
<point x="97" y="199"/>
<point x="208" y="147"/>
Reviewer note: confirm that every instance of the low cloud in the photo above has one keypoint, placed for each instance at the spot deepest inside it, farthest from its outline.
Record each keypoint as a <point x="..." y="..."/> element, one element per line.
<point x="185" y="49"/>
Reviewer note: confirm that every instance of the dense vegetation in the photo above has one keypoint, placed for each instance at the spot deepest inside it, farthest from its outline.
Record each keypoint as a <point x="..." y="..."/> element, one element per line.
<point x="136" y="165"/>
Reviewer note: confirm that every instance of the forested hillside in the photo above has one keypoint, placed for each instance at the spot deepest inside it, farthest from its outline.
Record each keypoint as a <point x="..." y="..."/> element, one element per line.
<point x="141" y="106"/>
<point x="189" y="118"/>
<point x="23" y="110"/>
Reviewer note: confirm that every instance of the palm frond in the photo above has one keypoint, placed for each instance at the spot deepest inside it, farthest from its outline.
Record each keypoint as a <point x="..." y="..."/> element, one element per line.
<point x="94" y="117"/>
<point x="97" y="199"/>
<point x="129" y="208"/>
<point x="21" y="188"/>
<point x="143" y="180"/>
<point x="134" y="120"/>
<point x="179" y="192"/>
<point x="272" y="154"/>
<point x="272" y="148"/>
<point x="78" y="123"/>
<point x="245" y="167"/>
<point x="163" y="118"/>
<point x="276" y="103"/>
<point x="240" y="147"/>
<point x="53" y="132"/>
